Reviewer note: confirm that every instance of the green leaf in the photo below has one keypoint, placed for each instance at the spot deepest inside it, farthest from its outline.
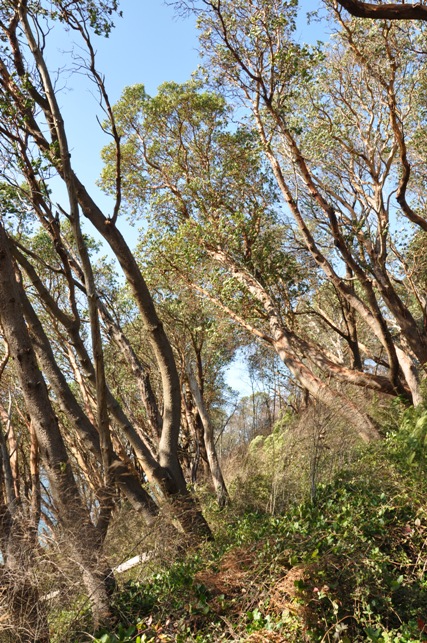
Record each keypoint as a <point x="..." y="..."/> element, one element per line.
<point x="395" y="584"/>
<point x="256" y="615"/>
<point x="373" y="635"/>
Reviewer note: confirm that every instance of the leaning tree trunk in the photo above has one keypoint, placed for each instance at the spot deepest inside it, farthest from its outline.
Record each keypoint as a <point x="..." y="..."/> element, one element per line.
<point x="25" y="41"/>
<point x="72" y="514"/>
<point x="217" y="478"/>
<point x="124" y="479"/>
<point x="284" y="343"/>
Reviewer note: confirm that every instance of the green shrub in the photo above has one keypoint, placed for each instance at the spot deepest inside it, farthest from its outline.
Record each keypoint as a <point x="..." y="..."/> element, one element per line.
<point x="355" y="552"/>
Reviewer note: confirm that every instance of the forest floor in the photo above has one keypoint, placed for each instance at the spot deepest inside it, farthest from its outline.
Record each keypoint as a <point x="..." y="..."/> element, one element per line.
<point x="348" y="565"/>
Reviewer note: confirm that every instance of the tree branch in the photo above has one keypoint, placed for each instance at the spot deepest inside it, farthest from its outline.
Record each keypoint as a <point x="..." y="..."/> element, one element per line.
<point x="388" y="11"/>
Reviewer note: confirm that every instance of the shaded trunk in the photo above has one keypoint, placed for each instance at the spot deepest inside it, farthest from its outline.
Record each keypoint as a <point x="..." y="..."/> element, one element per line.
<point x="350" y="320"/>
<point x="35" y="481"/>
<point x="71" y="511"/>
<point x="10" y="438"/>
<point x="127" y="482"/>
<point x="195" y="426"/>
<point x="385" y="11"/>
<point x="217" y="478"/>
<point x="6" y="470"/>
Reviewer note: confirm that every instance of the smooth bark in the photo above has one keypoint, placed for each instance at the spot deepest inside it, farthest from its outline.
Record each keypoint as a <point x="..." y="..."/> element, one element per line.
<point x="71" y="512"/>
<point x="215" y="468"/>
<point x="385" y="10"/>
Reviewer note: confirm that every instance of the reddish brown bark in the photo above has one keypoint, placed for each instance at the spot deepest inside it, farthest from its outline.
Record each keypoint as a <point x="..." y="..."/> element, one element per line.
<point x="385" y="10"/>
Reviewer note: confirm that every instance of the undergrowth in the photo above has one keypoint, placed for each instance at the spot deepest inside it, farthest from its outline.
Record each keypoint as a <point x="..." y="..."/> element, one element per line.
<point x="349" y="567"/>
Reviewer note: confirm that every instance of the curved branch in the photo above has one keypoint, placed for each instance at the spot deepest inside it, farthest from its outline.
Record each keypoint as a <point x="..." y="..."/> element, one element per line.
<point x="389" y="11"/>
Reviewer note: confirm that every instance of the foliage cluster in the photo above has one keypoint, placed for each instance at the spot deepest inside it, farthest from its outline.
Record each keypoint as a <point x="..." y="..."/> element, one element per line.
<point x="348" y="567"/>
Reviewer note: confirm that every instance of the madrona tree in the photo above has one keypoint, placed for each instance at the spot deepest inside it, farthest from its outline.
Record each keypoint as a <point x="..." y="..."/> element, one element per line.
<point x="34" y="147"/>
<point x="347" y="227"/>
<point x="216" y="199"/>
<point x="322" y="279"/>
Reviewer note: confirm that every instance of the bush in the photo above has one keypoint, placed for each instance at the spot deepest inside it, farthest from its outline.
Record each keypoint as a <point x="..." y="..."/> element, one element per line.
<point x="347" y="565"/>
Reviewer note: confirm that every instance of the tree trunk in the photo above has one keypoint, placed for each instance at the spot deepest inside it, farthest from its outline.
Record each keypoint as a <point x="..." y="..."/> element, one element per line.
<point x="385" y="10"/>
<point x="126" y="481"/>
<point x="217" y="478"/>
<point x="320" y="391"/>
<point x="71" y="511"/>
<point x="411" y="375"/>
